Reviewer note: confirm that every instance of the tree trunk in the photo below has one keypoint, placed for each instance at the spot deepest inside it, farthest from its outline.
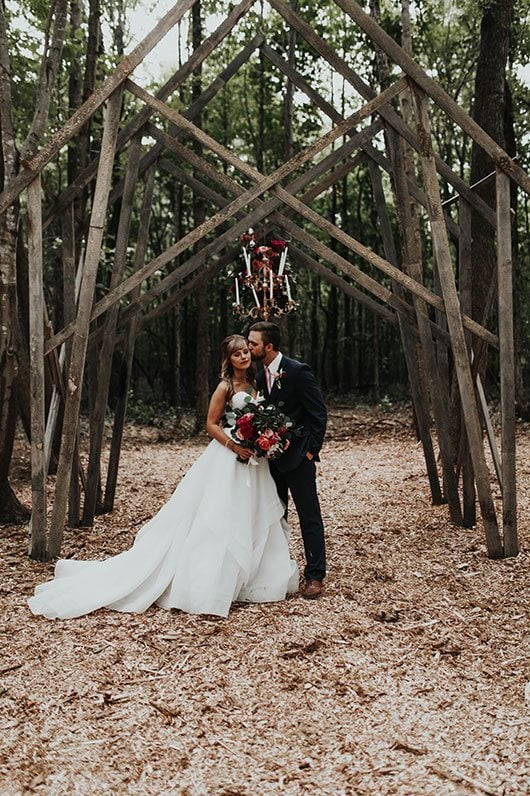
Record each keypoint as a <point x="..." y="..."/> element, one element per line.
<point x="22" y="335"/>
<point x="489" y="110"/>
<point x="75" y="88"/>
<point x="11" y="510"/>
<point x="89" y="82"/>
<point x="347" y="359"/>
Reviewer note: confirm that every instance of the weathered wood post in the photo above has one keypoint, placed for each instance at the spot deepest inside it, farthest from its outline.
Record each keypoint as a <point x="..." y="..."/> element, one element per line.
<point x="71" y="287"/>
<point x="465" y="282"/>
<point x="37" y="545"/>
<point x="507" y="363"/>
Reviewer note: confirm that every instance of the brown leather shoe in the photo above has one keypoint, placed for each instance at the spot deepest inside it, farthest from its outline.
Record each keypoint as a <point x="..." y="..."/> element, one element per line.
<point x="311" y="589"/>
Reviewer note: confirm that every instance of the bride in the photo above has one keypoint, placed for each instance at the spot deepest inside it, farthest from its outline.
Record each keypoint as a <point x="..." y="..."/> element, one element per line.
<point x="221" y="536"/>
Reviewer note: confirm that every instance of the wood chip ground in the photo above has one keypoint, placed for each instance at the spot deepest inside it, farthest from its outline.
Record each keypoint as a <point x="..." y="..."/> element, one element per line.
<point x="409" y="676"/>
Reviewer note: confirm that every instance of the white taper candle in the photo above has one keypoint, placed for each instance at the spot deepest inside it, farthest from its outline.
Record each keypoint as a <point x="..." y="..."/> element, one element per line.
<point x="288" y="288"/>
<point x="283" y="257"/>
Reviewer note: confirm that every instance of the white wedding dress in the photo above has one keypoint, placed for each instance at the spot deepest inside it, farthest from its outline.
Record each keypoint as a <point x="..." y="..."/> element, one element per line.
<point x="221" y="537"/>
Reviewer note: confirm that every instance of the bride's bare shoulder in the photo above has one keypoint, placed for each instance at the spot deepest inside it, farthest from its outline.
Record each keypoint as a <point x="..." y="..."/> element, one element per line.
<point x="222" y="389"/>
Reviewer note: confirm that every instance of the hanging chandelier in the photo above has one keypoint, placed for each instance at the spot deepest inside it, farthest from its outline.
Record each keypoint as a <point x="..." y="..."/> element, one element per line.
<point x="261" y="284"/>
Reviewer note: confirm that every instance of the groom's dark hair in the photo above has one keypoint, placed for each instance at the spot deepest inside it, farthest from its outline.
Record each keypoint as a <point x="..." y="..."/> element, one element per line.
<point x="270" y="333"/>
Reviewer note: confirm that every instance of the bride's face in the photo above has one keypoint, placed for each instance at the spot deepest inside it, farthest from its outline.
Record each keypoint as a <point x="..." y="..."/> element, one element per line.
<point x="240" y="359"/>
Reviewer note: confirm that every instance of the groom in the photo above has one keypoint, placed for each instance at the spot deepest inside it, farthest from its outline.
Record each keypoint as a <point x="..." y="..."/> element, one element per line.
<point x="293" y="384"/>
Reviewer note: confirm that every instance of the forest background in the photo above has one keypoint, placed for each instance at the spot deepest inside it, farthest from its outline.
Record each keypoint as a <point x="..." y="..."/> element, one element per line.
<point x="56" y="53"/>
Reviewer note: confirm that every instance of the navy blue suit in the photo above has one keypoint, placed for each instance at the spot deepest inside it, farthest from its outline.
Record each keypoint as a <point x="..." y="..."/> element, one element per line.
<point x="297" y="393"/>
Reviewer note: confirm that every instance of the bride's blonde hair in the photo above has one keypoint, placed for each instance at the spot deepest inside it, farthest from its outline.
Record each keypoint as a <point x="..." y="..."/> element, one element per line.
<point x="229" y="345"/>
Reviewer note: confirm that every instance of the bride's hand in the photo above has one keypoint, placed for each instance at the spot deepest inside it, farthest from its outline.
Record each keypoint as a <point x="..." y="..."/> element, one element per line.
<point x="243" y="453"/>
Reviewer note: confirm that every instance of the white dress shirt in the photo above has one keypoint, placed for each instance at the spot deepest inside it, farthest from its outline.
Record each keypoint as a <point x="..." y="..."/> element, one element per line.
<point x="274" y="366"/>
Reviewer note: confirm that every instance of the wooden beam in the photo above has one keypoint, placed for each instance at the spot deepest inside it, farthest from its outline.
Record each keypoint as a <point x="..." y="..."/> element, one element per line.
<point x="490" y="431"/>
<point x="198" y="187"/>
<point x="366" y="282"/>
<point x="341" y="128"/>
<point x="314" y="40"/>
<point x="95" y="101"/>
<point x="266" y="208"/>
<point x="247" y="198"/>
<point x="465" y="281"/>
<point x="380" y="263"/>
<point x="177" y="276"/>
<point x="456" y="329"/>
<point x="141" y="118"/>
<point x="227" y="238"/>
<point x="466" y="294"/>
<point x="37" y="545"/>
<point x="315" y="97"/>
<point x="235" y="189"/>
<point x="79" y="346"/>
<point x="299" y="257"/>
<point x="507" y="364"/>
<point x="182" y="292"/>
<point x="366" y="253"/>
<point x="398" y="55"/>
<point x="264" y="183"/>
<point x="308" y="197"/>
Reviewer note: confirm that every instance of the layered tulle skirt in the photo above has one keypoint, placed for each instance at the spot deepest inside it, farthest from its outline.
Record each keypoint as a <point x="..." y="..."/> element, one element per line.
<point x="220" y="538"/>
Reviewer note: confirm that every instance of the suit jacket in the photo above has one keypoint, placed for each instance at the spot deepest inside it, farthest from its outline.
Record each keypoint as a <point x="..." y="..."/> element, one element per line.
<point x="297" y="393"/>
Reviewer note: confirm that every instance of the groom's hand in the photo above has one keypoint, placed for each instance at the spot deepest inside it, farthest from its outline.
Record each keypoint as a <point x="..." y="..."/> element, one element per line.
<point x="309" y="455"/>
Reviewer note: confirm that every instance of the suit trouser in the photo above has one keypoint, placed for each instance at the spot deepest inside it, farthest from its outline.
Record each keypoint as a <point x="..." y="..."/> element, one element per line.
<point x="301" y="482"/>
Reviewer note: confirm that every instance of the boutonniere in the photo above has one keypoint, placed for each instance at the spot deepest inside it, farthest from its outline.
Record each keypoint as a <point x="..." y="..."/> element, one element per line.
<point x="279" y="377"/>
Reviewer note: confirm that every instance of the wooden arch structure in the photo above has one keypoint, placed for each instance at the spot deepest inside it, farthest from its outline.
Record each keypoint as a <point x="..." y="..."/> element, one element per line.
<point x="429" y="323"/>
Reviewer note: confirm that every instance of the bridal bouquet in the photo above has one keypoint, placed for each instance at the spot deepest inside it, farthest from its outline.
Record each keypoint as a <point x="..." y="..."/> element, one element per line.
<point x="261" y="427"/>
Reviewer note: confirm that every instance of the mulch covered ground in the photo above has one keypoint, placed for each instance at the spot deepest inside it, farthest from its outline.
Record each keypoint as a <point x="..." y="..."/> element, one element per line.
<point x="407" y="677"/>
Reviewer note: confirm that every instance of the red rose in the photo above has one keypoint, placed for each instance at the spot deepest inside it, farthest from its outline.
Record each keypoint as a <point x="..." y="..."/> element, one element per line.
<point x="264" y="442"/>
<point x="278" y="245"/>
<point x="244" y="426"/>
